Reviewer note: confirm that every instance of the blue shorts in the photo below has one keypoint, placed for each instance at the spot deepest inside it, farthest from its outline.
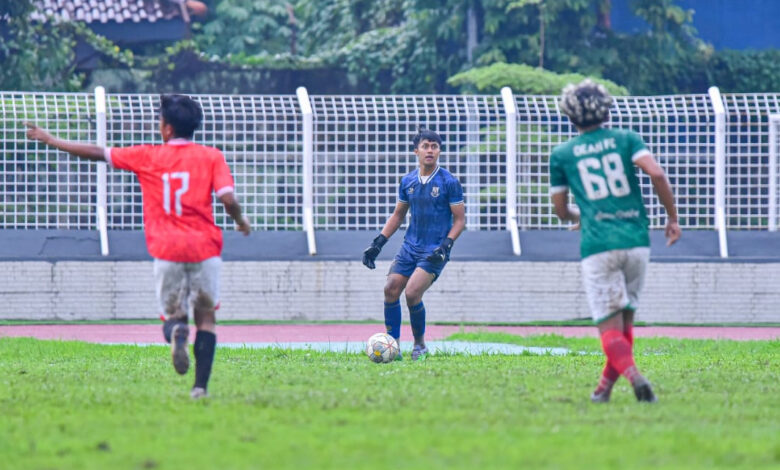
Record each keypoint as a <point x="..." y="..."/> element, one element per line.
<point x="406" y="261"/>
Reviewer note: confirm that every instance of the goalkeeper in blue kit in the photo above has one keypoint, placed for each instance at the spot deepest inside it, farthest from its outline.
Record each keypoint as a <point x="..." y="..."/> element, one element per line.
<point x="438" y="217"/>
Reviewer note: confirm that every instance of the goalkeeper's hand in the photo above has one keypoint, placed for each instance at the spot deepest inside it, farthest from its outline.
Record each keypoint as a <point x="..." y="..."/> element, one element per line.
<point x="441" y="253"/>
<point x="370" y="253"/>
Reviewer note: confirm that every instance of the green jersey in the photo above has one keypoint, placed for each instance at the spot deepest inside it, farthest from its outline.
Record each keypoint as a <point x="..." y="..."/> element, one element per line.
<point x="598" y="168"/>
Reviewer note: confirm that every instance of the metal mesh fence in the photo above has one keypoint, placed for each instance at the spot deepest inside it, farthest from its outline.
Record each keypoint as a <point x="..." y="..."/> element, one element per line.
<point x="259" y="135"/>
<point x="747" y="158"/>
<point x="677" y="129"/>
<point x="362" y="147"/>
<point x="41" y="187"/>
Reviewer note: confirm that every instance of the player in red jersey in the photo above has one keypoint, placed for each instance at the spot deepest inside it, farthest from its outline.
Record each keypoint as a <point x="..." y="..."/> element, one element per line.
<point x="177" y="180"/>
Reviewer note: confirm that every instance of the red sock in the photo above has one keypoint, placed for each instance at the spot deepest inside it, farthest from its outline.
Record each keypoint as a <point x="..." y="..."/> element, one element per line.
<point x="628" y="332"/>
<point x="608" y="378"/>
<point x="610" y="373"/>
<point x="619" y="355"/>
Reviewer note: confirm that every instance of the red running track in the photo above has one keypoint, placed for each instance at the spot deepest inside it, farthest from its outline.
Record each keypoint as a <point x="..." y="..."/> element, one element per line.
<point x="285" y="333"/>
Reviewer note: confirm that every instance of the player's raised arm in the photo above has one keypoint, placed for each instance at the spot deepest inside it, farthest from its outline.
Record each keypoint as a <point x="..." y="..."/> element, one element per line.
<point x="233" y="208"/>
<point x="664" y="190"/>
<point x="391" y="226"/>
<point x="79" y="149"/>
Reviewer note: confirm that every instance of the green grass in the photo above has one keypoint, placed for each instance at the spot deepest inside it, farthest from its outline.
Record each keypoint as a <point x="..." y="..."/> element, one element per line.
<point x="75" y="405"/>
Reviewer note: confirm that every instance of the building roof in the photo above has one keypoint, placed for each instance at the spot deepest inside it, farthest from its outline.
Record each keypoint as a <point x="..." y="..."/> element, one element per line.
<point x="105" y="11"/>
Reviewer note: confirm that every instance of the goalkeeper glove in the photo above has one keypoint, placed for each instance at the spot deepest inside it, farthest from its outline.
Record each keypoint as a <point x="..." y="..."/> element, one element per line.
<point x="441" y="253"/>
<point x="370" y="253"/>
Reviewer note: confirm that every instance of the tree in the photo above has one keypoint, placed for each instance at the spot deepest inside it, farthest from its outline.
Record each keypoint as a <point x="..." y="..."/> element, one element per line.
<point x="34" y="56"/>
<point x="379" y="44"/>
<point x="246" y="27"/>
<point x="574" y="36"/>
<point x="668" y="58"/>
<point x="39" y="56"/>
<point x="415" y="46"/>
<point x="550" y="10"/>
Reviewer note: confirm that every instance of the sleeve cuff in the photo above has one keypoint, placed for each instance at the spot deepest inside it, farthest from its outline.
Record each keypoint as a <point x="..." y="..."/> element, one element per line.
<point x="558" y="189"/>
<point x="456" y="203"/>
<point x="225" y="190"/>
<point x="107" y="156"/>
<point x="639" y="154"/>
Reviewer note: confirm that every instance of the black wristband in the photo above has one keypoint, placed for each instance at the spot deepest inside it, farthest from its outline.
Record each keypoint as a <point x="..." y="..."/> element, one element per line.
<point x="447" y="243"/>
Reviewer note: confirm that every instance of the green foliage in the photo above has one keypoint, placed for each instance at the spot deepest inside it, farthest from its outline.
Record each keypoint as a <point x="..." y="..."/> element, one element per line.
<point x="393" y="46"/>
<point x="746" y="71"/>
<point x="245" y="27"/>
<point x="367" y="60"/>
<point x="88" y="406"/>
<point x="39" y="56"/>
<point x="390" y="59"/>
<point x="566" y="35"/>
<point x="381" y="45"/>
<point x="667" y="59"/>
<point x="513" y="31"/>
<point x="333" y="24"/>
<point x="664" y="15"/>
<point x="522" y="79"/>
<point x="335" y="36"/>
<point x="670" y="60"/>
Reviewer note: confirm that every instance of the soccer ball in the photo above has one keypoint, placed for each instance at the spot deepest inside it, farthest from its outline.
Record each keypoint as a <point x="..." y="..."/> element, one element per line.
<point x="381" y="348"/>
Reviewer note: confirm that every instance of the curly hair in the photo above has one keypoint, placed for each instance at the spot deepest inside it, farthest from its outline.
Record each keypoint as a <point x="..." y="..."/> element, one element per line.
<point x="586" y="104"/>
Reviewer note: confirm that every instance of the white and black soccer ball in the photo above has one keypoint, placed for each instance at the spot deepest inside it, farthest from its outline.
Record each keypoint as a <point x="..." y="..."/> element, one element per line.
<point x="381" y="348"/>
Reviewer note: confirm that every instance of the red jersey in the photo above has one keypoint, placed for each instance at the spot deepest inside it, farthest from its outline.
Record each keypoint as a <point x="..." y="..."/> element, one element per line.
<point x="177" y="180"/>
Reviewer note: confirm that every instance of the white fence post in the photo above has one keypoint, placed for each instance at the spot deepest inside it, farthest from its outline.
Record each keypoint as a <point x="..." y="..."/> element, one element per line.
<point x="511" y="168"/>
<point x="774" y="122"/>
<point x="720" y="169"/>
<point x="472" y="162"/>
<point x="308" y="167"/>
<point x="102" y="177"/>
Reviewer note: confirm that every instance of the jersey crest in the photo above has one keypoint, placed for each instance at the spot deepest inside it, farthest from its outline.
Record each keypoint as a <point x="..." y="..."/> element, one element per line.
<point x="435" y="191"/>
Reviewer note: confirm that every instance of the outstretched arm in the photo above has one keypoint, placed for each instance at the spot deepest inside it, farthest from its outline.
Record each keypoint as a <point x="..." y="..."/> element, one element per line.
<point x="233" y="209"/>
<point x="665" y="195"/>
<point x="82" y="150"/>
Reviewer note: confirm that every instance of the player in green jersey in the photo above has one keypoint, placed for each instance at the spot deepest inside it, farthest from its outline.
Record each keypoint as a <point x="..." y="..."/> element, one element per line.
<point x="597" y="167"/>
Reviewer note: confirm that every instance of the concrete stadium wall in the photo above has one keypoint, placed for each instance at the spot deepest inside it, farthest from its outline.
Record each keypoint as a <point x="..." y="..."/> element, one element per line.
<point x="468" y="291"/>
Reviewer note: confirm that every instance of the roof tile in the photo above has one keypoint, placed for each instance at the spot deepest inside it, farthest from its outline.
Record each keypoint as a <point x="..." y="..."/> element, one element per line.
<point x="104" y="11"/>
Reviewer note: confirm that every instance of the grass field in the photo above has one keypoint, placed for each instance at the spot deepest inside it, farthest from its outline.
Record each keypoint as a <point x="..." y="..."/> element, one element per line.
<point x="76" y="405"/>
